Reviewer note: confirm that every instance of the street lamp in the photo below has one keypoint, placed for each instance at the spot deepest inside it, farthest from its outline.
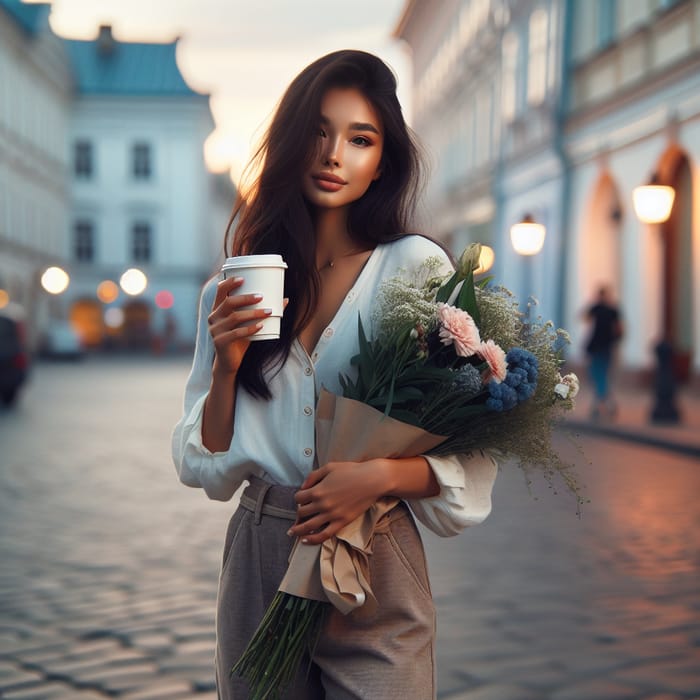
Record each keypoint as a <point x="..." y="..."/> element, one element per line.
<point x="653" y="202"/>
<point x="652" y="205"/>
<point x="527" y="236"/>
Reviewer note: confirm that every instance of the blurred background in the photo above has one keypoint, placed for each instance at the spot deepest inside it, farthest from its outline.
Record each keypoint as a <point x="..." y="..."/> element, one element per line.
<point x="564" y="135"/>
<point x="124" y="133"/>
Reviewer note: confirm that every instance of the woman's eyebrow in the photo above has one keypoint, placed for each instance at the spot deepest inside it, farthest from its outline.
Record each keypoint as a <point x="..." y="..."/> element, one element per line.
<point x="355" y="126"/>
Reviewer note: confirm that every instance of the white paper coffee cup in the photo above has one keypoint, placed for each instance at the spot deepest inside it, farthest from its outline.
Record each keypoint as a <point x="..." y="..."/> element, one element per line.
<point x="262" y="274"/>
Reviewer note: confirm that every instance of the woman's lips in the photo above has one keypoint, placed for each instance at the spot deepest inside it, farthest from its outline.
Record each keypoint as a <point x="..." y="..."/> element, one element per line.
<point x="328" y="182"/>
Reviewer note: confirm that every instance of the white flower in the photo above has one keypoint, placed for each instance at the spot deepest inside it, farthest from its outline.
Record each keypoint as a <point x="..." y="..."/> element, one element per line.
<point x="571" y="380"/>
<point x="562" y="390"/>
<point x="568" y="386"/>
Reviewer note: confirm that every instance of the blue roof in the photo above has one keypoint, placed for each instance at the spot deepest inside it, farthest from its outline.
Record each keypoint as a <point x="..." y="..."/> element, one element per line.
<point x="28" y="17"/>
<point x="112" y="67"/>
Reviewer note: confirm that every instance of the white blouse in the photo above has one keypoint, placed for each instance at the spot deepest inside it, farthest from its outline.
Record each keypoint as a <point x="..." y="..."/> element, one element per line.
<point x="274" y="439"/>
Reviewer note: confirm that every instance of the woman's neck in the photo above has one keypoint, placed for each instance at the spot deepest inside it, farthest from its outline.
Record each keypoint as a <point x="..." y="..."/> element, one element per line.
<point x="332" y="237"/>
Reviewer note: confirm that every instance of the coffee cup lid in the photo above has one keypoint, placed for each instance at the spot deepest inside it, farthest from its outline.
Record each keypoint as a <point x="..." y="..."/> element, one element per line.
<point x="269" y="260"/>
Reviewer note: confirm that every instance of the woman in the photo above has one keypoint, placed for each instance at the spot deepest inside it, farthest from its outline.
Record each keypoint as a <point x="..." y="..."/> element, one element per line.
<point x="334" y="195"/>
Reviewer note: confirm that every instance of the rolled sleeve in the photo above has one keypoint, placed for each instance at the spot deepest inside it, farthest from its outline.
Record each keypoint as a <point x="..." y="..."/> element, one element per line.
<point x="466" y="483"/>
<point x="218" y="473"/>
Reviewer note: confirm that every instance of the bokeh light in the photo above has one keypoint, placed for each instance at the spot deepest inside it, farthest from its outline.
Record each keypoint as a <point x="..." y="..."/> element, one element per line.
<point x="133" y="281"/>
<point x="4" y="298"/>
<point x="164" y="299"/>
<point x="107" y="291"/>
<point x="114" y="318"/>
<point x="55" y="280"/>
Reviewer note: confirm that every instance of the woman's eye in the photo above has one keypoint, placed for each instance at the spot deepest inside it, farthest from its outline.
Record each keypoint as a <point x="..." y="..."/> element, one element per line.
<point x="322" y="133"/>
<point x="361" y="141"/>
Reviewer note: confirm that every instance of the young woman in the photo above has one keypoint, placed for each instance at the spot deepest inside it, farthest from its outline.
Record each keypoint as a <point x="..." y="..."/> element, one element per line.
<point x="333" y="197"/>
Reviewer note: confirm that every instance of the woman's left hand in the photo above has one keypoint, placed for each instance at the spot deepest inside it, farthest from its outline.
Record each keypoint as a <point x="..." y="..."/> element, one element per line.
<point x="336" y="494"/>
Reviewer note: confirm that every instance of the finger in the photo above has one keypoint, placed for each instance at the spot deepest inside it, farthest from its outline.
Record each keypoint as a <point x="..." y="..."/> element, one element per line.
<point x="321" y="536"/>
<point x="310" y="526"/>
<point x="239" y="333"/>
<point x="285" y="301"/>
<point x="238" y="318"/>
<point x="225" y="287"/>
<point x="311" y="480"/>
<point x="237" y="301"/>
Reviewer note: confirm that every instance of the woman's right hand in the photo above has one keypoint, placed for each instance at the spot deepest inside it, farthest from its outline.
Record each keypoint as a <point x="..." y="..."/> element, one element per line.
<point x="229" y="313"/>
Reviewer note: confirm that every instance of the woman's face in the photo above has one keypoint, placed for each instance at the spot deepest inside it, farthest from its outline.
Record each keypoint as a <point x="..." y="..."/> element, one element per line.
<point x="350" y="143"/>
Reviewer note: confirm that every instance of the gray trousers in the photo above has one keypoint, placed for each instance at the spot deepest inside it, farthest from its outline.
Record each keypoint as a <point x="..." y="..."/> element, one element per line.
<point x="387" y="655"/>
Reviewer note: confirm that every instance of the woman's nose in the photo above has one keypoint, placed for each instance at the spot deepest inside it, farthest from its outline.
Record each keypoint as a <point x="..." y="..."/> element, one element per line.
<point x="332" y="155"/>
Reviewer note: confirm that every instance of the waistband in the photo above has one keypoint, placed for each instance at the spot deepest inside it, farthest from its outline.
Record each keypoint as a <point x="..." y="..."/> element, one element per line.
<point x="263" y="498"/>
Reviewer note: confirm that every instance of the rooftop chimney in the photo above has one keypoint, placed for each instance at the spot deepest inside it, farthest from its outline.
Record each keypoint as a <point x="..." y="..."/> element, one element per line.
<point x="105" y="41"/>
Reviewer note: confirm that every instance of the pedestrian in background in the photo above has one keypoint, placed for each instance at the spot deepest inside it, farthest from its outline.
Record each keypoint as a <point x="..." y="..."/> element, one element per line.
<point x="606" y="331"/>
<point x="337" y="184"/>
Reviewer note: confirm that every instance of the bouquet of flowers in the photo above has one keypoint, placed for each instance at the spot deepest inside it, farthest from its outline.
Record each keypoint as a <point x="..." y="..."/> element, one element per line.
<point x="453" y="366"/>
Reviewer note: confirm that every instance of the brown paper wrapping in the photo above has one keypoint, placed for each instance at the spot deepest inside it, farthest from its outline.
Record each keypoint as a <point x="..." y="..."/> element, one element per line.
<point x="337" y="570"/>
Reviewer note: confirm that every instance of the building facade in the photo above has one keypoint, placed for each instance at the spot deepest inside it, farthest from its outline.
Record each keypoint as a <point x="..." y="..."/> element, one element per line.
<point x="141" y="194"/>
<point x="36" y="89"/>
<point x="102" y="171"/>
<point x="588" y="100"/>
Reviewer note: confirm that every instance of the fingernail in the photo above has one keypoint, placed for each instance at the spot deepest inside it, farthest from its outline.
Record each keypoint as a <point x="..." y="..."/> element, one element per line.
<point x="237" y="279"/>
<point x="258" y="297"/>
<point x="267" y="311"/>
<point x="289" y="533"/>
<point x="304" y="540"/>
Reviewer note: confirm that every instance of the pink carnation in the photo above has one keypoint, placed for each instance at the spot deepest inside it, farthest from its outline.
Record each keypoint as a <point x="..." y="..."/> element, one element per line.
<point x="495" y="358"/>
<point x="457" y="327"/>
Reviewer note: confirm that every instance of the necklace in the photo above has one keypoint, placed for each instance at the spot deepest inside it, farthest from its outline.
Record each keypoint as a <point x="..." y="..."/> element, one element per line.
<point x="331" y="263"/>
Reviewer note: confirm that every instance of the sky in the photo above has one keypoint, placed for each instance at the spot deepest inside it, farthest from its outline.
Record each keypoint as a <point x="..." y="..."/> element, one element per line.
<point x="244" y="53"/>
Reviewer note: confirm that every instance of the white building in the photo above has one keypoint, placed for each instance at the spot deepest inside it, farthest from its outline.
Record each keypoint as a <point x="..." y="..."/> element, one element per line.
<point x="102" y="170"/>
<point x="559" y="109"/>
<point x="487" y="90"/>
<point x="36" y="88"/>
<point x="141" y="195"/>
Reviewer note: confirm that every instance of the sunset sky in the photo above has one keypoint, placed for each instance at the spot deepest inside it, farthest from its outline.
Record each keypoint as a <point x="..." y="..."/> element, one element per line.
<point x="244" y="53"/>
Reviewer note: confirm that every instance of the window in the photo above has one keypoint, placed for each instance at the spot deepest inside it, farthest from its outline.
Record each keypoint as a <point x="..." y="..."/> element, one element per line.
<point x="607" y="12"/>
<point x="510" y="67"/>
<point x="84" y="241"/>
<point x="141" y="161"/>
<point x="83" y="159"/>
<point x="141" y="242"/>
<point x="537" y="58"/>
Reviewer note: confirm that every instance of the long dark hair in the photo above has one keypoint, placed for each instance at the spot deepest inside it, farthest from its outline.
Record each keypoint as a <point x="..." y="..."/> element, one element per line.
<point x="274" y="217"/>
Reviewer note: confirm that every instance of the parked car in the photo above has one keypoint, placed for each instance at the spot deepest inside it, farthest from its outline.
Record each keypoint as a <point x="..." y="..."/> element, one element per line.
<point x="14" y="355"/>
<point x="62" y="342"/>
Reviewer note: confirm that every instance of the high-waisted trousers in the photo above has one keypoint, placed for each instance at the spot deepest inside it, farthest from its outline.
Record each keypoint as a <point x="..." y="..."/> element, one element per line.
<point x="388" y="654"/>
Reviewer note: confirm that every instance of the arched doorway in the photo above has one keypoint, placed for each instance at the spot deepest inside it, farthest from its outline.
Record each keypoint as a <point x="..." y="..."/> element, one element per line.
<point x="601" y="245"/>
<point x="676" y="236"/>
<point x="86" y="317"/>
<point x="136" y="329"/>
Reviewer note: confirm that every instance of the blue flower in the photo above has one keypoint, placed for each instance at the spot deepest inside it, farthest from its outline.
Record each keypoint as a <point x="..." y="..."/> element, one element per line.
<point x="502" y="397"/>
<point x="522" y="373"/>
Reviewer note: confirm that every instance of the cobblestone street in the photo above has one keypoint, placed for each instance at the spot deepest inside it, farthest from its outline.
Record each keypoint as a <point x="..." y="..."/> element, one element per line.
<point x="110" y="565"/>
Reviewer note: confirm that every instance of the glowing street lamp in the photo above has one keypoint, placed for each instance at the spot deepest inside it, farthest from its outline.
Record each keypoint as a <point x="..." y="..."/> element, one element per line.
<point x="653" y="202"/>
<point x="55" y="280"/>
<point x="133" y="281"/>
<point x="527" y="236"/>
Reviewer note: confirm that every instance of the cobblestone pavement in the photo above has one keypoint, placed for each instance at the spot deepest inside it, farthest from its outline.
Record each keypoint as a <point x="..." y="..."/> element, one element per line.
<point x="109" y="565"/>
